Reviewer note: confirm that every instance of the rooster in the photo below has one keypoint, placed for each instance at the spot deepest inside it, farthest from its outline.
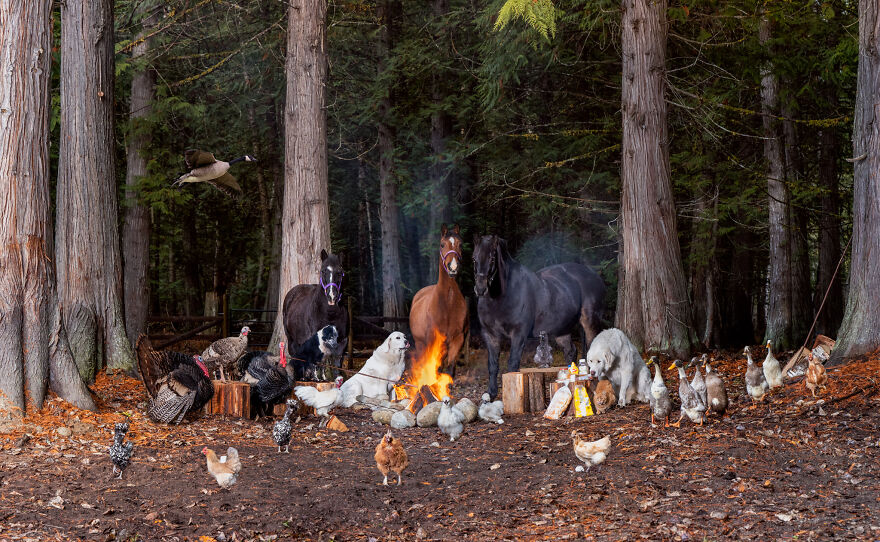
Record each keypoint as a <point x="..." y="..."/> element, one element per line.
<point x="176" y="383"/>
<point x="322" y="401"/>
<point x="816" y="375"/>
<point x="390" y="456"/>
<point x="225" y="470"/>
<point x="270" y="382"/>
<point x="591" y="453"/>
<point x="120" y="452"/>
<point x="223" y="354"/>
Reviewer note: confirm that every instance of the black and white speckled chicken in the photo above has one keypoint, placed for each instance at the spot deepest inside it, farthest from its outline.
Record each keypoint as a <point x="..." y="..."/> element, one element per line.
<point x="120" y="452"/>
<point x="282" y="428"/>
<point x="176" y="383"/>
<point x="223" y="354"/>
<point x="544" y="352"/>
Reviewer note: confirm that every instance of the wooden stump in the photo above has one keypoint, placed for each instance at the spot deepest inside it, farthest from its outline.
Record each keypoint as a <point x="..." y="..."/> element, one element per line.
<point x="335" y="424"/>
<point x="514" y="393"/>
<point x="230" y="399"/>
<point x="538" y="382"/>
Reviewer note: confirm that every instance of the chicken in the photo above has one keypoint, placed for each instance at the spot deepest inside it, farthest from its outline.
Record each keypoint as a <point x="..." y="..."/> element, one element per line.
<point x="544" y="352"/>
<point x="816" y="375"/>
<point x="603" y="396"/>
<point x="756" y="384"/>
<point x="451" y="420"/>
<point x="691" y="402"/>
<point x="771" y="369"/>
<point x="698" y="383"/>
<point x="716" y="392"/>
<point x="661" y="405"/>
<point x="281" y="430"/>
<point x="491" y="411"/>
<point x="120" y="452"/>
<point x="322" y="401"/>
<point x="591" y="453"/>
<point x="225" y="470"/>
<point x="225" y="353"/>
<point x="390" y="456"/>
<point x="176" y="383"/>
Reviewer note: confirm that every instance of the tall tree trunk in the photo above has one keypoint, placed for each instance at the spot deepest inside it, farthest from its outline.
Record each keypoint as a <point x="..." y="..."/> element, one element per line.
<point x="798" y="219"/>
<point x="829" y="236"/>
<point x="860" y="330"/>
<point x="136" y="229"/>
<point x="86" y="238"/>
<point x="33" y="353"/>
<point x="392" y="292"/>
<point x="779" y="302"/>
<point x="306" y="215"/>
<point x="652" y="302"/>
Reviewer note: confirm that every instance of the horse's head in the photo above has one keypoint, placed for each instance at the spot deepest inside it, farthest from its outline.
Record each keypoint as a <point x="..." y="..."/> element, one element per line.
<point x="331" y="277"/>
<point x="450" y="249"/>
<point x="487" y="262"/>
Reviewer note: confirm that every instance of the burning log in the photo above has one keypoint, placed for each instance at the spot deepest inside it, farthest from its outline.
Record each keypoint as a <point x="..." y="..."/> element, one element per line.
<point x="424" y="397"/>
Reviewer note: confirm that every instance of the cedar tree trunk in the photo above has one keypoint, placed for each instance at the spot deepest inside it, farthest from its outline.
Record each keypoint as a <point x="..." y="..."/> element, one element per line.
<point x="87" y="255"/>
<point x="34" y="351"/>
<point x="305" y="226"/>
<point x="829" y="236"/>
<point x="652" y="302"/>
<point x="860" y="331"/>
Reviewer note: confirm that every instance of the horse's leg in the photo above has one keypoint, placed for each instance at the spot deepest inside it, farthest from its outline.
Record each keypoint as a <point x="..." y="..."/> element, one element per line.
<point x="493" y="347"/>
<point x="589" y="324"/>
<point x="454" y="347"/>
<point x="517" y="343"/>
<point x="569" y="351"/>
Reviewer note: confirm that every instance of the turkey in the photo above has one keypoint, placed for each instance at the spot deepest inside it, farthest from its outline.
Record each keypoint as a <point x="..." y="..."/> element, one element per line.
<point x="176" y="383"/>
<point x="204" y="168"/>
<point x="543" y="353"/>
<point x="270" y="382"/>
<point x="225" y="353"/>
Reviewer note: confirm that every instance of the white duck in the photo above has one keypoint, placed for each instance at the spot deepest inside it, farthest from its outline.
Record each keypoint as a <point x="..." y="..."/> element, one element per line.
<point x="772" y="370"/>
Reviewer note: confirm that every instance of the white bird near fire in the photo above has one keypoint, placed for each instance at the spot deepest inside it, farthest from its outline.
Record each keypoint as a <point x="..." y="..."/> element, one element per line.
<point x="322" y="401"/>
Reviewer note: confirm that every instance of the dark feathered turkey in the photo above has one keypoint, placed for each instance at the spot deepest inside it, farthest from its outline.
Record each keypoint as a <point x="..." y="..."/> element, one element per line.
<point x="223" y="355"/>
<point x="271" y="381"/>
<point x="176" y="383"/>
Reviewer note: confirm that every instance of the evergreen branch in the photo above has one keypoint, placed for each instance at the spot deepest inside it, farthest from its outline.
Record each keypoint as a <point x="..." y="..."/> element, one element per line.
<point x="174" y="16"/>
<point x="539" y="14"/>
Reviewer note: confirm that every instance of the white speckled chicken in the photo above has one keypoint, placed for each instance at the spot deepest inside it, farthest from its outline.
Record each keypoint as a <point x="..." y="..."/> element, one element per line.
<point x="120" y="452"/>
<point x="451" y="420"/>
<point x="282" y="428"/>
<point x="772" y="370"/>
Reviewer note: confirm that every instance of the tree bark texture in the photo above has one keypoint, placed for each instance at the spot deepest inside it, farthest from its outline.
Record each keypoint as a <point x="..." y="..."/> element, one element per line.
<point x="798" y="219"/>
<point x="392" y="290"/>
<point x="860" y="330"/>
<point x="29" y="359"/>
<point x="779" y="294"/>
<point x="829" y="236"/>
<point x="305" y="227"/>
<point x="136" y="228"/>
<point x="652" y="302"/>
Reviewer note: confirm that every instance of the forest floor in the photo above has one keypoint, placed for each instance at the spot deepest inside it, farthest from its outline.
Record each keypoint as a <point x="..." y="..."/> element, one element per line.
<point x="785" y="468"/>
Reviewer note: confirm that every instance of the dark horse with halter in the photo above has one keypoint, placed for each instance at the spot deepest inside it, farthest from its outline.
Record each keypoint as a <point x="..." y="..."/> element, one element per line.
<point x="441" y="307"/>
<point x="515" y="303"/>
<point x="309" y="307"/>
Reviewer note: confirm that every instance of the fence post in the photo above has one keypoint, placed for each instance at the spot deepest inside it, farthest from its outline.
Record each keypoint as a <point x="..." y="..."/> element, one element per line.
<point x="349" y="359"/>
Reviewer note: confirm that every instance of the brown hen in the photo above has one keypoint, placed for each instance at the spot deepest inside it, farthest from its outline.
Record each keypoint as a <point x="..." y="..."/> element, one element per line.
<point x="390" y="456"/>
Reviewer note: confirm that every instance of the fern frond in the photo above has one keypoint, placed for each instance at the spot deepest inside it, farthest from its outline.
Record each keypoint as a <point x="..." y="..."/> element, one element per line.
<point x="539" y="14"/>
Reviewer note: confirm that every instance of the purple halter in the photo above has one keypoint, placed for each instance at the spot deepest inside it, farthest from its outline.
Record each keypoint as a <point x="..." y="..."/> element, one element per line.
<point x="327" y="286"/>
<point x="443" y="256"/>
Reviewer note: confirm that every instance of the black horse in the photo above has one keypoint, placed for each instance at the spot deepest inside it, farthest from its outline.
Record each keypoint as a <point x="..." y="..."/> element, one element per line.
<point x="309" y="307"/>
<point x="516" y="303"/>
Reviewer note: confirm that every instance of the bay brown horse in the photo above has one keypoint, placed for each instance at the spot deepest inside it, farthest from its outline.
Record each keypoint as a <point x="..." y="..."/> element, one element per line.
<point x="441" y="306"/>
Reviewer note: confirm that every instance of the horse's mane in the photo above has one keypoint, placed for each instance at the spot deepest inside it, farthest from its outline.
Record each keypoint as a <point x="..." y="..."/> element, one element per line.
<point x="502" y="260"/>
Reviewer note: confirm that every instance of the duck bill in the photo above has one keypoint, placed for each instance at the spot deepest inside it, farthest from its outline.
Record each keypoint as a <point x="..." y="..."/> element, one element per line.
<point x="671" y="367"/>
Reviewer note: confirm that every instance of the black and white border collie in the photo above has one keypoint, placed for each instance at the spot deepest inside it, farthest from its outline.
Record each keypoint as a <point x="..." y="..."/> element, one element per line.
<point x="313" y="352"/>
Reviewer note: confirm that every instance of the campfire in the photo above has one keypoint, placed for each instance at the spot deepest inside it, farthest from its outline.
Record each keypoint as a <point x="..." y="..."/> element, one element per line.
<point x="425" y="382"/>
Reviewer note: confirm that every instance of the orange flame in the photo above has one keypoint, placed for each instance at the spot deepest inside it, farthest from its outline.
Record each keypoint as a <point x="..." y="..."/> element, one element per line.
<point x="425" y="371"/>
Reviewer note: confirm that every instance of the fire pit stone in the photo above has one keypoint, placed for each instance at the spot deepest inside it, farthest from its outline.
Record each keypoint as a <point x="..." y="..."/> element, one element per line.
<point x="468" y="408"/>
<point x="383" y="415"/>
<point x="427" y="417"/>
<point x="403" y="419"/>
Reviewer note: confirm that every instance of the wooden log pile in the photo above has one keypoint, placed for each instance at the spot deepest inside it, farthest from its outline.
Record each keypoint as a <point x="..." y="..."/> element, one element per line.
<point x="231" y="398"/>
<point x="530" y="390"/>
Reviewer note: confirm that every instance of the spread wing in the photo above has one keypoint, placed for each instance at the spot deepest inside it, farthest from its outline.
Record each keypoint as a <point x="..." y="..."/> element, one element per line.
<point x="195" y="158"/>
<point x="227" y="184"/>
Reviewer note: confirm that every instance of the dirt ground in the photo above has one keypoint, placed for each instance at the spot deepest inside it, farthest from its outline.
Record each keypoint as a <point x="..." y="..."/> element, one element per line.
<point x="786" y="468"/>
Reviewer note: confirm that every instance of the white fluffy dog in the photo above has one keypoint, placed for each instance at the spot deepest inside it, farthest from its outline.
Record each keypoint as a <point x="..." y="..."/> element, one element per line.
<point x="387" y="362"/>
<point x="614" y="357"/>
